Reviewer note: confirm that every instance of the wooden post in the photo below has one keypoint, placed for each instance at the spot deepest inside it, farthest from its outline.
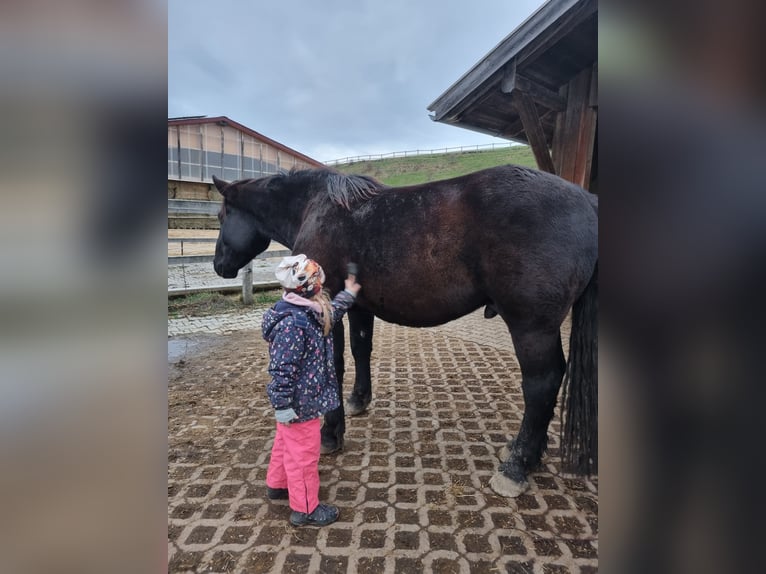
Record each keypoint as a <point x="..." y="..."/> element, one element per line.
<point x="573" y="146"/>
<point x="247" y="284"/>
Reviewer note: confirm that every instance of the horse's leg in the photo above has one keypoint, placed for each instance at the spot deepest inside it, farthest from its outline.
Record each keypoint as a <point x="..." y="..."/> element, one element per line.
<point x="542" y="368"/>
<point x="361" y="323"/>
<point x="334" y="426"/>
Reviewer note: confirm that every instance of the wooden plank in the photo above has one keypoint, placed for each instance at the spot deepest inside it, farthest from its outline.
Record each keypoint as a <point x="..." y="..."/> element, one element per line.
<point x="568" y="139"/>
<point x="591" y="150"/>
<point x="575" y="134"/>
<point x="534" y="130"/>
<point x="585" y="127"/>
<point x="573" y="123"/>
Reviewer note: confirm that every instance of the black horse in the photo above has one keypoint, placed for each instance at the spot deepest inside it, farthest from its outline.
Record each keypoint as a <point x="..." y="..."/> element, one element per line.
<point x="521" y="242"/>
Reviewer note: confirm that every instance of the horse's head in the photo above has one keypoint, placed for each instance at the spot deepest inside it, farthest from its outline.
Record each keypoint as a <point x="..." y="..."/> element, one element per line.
<point x="239" y="239"/>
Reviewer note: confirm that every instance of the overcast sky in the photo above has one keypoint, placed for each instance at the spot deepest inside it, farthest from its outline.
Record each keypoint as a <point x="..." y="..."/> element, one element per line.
<point x="332" y="78"/>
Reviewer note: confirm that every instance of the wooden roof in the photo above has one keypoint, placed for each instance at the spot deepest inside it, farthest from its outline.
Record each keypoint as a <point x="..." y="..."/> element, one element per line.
<point x="223" y="120"/>
<point x="539" y="58"/>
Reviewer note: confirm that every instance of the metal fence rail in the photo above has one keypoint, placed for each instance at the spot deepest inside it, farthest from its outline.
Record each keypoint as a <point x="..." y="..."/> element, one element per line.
<point x="187" y="259"/>
<point x="192" y="239"/>
<point x="193" y="207"/>
<point x="417" y="152"/>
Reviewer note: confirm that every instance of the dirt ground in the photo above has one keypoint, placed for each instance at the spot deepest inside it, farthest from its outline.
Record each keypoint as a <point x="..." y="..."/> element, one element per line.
<point x="411" y="483"/>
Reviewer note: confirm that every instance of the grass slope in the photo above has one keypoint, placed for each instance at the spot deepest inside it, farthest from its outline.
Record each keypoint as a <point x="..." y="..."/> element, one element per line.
<point x="419" y="169"/>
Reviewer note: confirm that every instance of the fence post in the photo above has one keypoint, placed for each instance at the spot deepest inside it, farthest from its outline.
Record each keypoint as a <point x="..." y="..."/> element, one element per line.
<point x="247" y="284"/>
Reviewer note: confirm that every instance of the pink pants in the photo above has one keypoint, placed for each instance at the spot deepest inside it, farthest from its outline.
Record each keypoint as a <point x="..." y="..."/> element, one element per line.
<point x="294" y="463"/>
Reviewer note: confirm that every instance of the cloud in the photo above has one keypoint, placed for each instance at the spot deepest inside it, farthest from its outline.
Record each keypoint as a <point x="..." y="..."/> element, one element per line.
<point x="336" y="77"/>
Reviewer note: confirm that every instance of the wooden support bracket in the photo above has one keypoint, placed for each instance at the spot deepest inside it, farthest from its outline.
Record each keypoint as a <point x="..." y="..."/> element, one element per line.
<point x="513" y="81"/>
<point x="534" y="130"/>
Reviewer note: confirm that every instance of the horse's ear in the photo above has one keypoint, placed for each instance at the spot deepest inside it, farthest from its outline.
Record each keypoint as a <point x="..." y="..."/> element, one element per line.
<point x="220" y="185"/>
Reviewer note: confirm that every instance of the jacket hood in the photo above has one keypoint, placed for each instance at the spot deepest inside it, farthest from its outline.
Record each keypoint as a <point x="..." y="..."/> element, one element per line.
<point x="270" y="320"/>
<point x="277" y="313"/>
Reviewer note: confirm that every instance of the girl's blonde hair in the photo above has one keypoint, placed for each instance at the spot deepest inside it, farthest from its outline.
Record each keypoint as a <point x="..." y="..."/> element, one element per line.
<point x="323" y="298"/>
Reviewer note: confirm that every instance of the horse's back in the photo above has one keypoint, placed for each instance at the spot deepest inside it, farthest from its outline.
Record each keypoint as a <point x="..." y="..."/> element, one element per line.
<point x="529" y="209"/>
<point x="524" y="193"/>
<point x="429" y="253"/>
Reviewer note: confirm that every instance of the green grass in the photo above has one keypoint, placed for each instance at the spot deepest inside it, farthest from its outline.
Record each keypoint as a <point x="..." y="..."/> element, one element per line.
<point x="212" y="303"/>
<point x="420" y="169"/>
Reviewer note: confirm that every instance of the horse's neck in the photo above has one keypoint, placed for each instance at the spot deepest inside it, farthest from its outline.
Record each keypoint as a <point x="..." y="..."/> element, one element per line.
<point x="280" y="214"/>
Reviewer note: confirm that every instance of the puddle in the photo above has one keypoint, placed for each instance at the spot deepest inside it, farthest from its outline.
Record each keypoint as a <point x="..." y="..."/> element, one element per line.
<point x="180" y="347"/>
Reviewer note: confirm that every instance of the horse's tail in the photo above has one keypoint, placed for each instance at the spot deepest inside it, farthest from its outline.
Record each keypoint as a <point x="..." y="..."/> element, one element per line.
<point x="579" y="427"/>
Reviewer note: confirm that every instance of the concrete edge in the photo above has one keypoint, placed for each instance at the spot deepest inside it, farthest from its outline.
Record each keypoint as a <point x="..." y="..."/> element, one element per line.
<point x="260" y="286"/>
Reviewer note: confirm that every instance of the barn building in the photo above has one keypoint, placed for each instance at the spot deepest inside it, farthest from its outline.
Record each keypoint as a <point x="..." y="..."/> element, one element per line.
<point x="200" y="147"/>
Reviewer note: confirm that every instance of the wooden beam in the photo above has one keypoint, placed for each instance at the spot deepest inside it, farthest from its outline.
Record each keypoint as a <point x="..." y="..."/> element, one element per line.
<point x="512" y="80"/>
<point x="541" y="95"/>
<point x="593" y="100"/>
<point x="592" y="173"/>
<point x="508" y="82"/>
<point x="591" y="149"/>
<point x="558" y="133"/>
<point x="534" y="130"/>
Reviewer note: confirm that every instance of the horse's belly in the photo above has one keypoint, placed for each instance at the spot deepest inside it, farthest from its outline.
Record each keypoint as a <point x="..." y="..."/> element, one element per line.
<point x="417" y="314"/>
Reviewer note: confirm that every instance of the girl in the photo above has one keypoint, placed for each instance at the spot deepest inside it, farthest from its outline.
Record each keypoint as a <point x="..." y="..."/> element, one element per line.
<point x="303" y="383"/>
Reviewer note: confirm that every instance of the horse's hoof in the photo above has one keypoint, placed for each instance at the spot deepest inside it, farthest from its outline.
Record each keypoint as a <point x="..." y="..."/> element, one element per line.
<point x="354" y="409"/>
<point x="504" y="486"/>
<point x="329" y="449"/>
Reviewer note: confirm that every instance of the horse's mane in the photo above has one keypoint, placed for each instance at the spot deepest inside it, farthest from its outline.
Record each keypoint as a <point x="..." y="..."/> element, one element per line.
<point x="343" y="189"/>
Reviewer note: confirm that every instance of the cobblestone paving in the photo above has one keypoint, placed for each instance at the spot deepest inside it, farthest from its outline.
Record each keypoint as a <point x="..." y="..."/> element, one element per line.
<point x="219" y="324"/>
<point x="411" y="483"/>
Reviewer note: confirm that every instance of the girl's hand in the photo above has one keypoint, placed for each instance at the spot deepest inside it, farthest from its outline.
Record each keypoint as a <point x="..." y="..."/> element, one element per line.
<point x="351" y="284"/>
<point x="285" y="416"/>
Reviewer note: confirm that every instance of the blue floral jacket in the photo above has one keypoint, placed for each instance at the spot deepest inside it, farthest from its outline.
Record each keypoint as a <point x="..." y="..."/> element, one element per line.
<point x="301" y="358"/>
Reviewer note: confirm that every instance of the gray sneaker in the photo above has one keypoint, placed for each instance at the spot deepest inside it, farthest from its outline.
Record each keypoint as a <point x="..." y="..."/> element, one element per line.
<point x="323" y="515"/>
